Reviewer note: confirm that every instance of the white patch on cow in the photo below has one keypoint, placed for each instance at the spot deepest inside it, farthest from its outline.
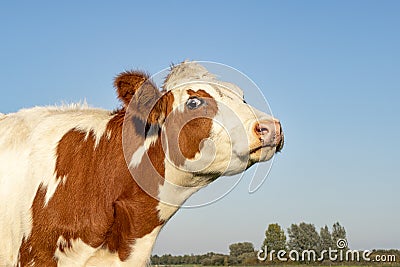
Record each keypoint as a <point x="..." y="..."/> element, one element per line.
<point x="170" y="195"/>
<point x="109" y="133"/>
<point x="178" y="105"/>
<point x="103" y="257"/>
<point x="52" y="187"/>
<point x="14" y="221"/>
<point x="137" y="156"/>
<point x="76" y="255"/>
<point x="177" y="188"/>
<point x="141" y="250"/>
<point x="151" y="138"/>
<point x="28" y="143"/>
<point x="139" y="257"/>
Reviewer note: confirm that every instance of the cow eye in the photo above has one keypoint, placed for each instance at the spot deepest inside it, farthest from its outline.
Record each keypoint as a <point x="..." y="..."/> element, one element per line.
<point x="194" y="103"/>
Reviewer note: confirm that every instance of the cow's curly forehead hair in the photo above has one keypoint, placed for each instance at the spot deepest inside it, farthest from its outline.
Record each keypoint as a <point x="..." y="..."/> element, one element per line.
<point x="186" y="72"/>
<point x="192" y="72"/>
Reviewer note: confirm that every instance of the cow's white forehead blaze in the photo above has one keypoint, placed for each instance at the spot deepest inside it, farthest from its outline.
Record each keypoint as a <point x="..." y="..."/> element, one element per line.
<point x="98" y="186"/>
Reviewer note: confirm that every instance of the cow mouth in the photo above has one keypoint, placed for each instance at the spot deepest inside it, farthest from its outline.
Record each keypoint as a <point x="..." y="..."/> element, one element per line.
<point x="277" y="147"/>
<point x="254" y="150"/>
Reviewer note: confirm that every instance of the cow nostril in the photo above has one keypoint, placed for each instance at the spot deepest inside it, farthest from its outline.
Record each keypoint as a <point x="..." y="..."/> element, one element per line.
<point x="262" y="129"/>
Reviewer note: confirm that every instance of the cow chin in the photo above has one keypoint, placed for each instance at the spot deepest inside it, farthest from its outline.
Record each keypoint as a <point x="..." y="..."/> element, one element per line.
<point x="241" y="162"/>
<point x="261" y="155"/>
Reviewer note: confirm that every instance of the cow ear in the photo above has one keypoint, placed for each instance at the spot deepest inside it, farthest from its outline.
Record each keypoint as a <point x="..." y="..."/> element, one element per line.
<point x="151" y="105"/>
<point x="161" y="109"/>
<point x="127" y="84"/>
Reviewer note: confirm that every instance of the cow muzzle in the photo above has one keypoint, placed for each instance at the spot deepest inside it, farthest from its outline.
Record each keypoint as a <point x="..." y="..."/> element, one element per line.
<point x="269" y="134"/>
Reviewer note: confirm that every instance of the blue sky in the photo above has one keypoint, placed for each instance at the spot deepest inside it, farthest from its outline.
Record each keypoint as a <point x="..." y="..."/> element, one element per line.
<point x="329" y="69"/>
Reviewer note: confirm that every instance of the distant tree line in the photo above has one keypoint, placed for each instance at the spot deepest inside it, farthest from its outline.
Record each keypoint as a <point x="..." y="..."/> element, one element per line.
<point x="302" y="238"/>
<point x="240" y="253"/>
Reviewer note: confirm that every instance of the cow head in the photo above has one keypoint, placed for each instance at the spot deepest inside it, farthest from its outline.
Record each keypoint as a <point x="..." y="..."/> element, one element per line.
<point x="204" y="125"/>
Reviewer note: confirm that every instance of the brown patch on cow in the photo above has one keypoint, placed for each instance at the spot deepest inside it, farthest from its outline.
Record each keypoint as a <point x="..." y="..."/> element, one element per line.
<point x="189" y="128"/>
<point x="128" y="83"/>
<point x="198" y="93"/>
<point x="152" y="163"/>
<point x="97" y="201"/>
<point x="162" y="108"/>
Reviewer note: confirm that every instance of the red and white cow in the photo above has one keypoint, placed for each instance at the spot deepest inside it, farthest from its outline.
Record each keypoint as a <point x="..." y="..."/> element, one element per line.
<point x="67" y="193"/>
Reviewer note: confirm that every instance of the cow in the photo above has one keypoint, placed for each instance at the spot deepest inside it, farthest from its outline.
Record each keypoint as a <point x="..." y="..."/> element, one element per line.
<point x="81" y="186"/>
